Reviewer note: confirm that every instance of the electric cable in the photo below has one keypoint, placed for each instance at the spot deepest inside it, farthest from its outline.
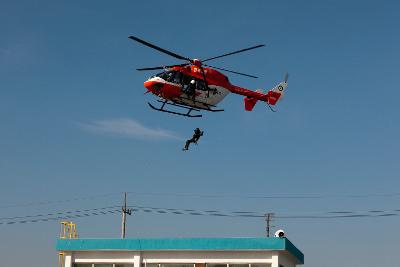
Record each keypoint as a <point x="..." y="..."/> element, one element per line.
<point x="211" y="196"/>
<point x="253" y="214"/>
<point x="282" y="196"/>
<point x="49" y="202"/>
<point x="61" y="215"/>
<point x="46" y="219"/>
<point x="56" y="215"/>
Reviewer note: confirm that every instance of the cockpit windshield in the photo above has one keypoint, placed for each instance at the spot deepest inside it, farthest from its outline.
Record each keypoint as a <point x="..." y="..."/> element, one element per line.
<point x="179" y="78"/>
<point x="167" y="75"/>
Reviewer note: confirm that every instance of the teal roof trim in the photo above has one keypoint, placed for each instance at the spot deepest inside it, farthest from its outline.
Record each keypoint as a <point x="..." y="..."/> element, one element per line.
<point x="294" y="251"/>
<point x="194" y="244"/>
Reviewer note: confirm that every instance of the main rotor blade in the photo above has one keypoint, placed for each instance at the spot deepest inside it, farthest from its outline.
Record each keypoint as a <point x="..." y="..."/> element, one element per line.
<point x="239" y="73"/>
<point x="159" y="48"/>
<point x="163" y="67"/>
<point x="235" y="52"/>
<point x="153" y="68"/>
<point x="286" y="77"/>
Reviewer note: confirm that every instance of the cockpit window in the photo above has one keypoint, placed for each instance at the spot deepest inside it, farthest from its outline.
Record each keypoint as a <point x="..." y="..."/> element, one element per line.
<point x="177" y="77"/>
<point x="170" y="76"/>
<point x="181" y="79"/>
<point x="167" y="75"/>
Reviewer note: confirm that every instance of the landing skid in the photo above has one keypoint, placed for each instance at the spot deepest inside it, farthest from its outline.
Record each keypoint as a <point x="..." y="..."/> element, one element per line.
<point x="188" y="108"/>
<point x="176" y="113"/>
<point x="208" y="106"/>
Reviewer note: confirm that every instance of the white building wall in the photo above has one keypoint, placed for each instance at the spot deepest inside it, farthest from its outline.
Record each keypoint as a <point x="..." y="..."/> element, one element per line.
<point x="286" y="260"/>
<point x="68" y="260"/>
<point x="107" y="257"/>
<point x="136" y="258"/>
<point x="274" y="260"/>
<point x="207" y="257"/>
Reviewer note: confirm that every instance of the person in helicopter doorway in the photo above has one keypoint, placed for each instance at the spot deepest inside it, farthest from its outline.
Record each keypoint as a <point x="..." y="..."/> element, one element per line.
<point x="191" y="88"/>
<point x="196" y="136"/>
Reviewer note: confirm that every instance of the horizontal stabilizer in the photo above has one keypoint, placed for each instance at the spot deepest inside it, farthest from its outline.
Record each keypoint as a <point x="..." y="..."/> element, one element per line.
<point x="250" y="102"/>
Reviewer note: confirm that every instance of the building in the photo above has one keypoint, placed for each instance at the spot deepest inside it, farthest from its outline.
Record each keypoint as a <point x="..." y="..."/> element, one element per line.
<point x="179" y="252"/>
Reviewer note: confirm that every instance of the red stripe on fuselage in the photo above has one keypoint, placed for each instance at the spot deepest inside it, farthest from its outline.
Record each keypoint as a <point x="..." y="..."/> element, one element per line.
<point x="163" y="89"/>
<point x="246" y="92"/>
<point x="213" y="77"/>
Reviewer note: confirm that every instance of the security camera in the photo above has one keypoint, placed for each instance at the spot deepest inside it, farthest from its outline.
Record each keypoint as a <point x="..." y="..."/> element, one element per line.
<point x="280" y="233"/>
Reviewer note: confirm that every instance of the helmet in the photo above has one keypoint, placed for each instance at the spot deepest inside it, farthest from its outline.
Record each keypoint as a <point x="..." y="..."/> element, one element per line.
<point x="192" y="81"/>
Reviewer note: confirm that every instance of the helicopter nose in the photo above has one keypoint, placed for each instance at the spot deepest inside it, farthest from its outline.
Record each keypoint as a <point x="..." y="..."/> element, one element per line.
<point x="153" y="86"/>
<point x="147" y="85"/>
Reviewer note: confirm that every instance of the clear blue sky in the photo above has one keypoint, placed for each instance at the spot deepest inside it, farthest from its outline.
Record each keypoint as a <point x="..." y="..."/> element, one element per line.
<point x="75" y="122"/>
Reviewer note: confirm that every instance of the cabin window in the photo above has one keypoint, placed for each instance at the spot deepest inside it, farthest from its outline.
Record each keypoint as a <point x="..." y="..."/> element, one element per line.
<point x="182" y="79"/>
<point x="199" y="83"/>
<point x="177" y="77"/>
<point x="167" y="75"/>
<point x="186" y="79"/>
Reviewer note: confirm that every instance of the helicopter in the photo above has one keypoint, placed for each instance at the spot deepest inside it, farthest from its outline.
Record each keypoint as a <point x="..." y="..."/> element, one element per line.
<point x="194" y="86"/>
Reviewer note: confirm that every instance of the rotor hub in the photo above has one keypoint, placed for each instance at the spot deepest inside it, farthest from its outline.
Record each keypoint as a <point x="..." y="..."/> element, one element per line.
<point x="196" y="62"/>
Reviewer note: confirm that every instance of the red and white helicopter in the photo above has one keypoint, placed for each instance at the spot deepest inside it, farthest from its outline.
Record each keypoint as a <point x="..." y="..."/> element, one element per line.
<point x="195" y="86"/>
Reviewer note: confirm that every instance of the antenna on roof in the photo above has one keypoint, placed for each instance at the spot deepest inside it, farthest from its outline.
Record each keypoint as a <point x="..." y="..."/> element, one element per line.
<point x="268" y="218"/>
<point x="124" y="212"/>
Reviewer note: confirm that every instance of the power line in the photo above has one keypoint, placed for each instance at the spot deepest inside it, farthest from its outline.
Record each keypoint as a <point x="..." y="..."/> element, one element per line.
<point x="337" y="216"/>
<point x="56" y="213"/>
<point x="282" y="196"/>
<point x="60" y="201"/>
<point x="46" y="219"/>
<point x="242" y="212"/>
<point x="252" y="214"/>
<point x="194" y="212"/>
<point x="211" y="196"/>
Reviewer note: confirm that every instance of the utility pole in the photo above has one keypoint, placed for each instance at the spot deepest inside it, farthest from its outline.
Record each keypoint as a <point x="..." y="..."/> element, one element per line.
<point x="268" y="218"/>
<point x="124" y="212"/>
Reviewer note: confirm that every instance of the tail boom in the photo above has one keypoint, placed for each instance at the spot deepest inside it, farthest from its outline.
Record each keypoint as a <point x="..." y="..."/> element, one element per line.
<point x="251" y="97"/>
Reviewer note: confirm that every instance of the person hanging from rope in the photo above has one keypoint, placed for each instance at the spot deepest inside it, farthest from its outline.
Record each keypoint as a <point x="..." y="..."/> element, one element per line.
<point x="196" y="136"/>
